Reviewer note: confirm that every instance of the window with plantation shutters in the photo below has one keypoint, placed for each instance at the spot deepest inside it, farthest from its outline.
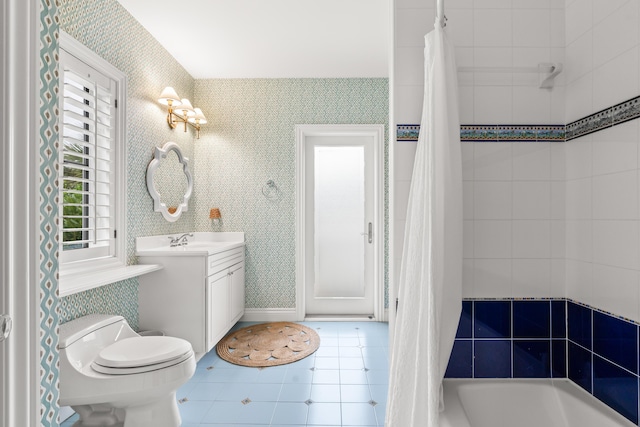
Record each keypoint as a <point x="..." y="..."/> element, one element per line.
<point x="88" y="161"/>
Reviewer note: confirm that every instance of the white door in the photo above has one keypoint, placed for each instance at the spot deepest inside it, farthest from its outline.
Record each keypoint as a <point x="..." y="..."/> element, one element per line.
<point x="340" y="224"/>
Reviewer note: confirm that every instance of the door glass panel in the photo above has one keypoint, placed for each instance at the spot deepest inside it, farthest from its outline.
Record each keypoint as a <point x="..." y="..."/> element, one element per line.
<point x="339" y="219"/>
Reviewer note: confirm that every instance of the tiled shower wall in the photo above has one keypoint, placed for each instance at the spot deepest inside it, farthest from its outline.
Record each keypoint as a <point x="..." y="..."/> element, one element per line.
<point x="513" y="191"/>
<point x="602" y="169"/>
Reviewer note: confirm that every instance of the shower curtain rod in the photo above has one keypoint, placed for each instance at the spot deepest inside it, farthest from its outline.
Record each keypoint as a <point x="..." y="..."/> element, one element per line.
<point x="542" y="68"/>
<point x="440" y="11"/>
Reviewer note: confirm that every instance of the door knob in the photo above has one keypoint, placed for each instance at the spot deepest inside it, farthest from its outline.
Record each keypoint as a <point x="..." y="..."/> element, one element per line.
<point x="5" y="327"/>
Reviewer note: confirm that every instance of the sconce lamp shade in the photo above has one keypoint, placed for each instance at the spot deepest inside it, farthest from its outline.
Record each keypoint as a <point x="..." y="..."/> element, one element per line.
<point x="199" y="118"/>
<point x="186" y="108"/>
<point x="169" y="94"/>
<point x="214" y="213"/>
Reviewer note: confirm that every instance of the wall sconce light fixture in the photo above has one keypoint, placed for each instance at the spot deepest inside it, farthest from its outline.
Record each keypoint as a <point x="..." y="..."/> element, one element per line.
<point x="181" y="111"/>
<point x="214" y="214"/>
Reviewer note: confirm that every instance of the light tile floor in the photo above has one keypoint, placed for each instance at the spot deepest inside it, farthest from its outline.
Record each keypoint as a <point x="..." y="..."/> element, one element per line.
<point x="344" y="383"/>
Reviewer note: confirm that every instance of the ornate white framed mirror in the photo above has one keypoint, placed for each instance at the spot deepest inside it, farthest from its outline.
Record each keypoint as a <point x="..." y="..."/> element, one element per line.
<point x="169" y="181"/>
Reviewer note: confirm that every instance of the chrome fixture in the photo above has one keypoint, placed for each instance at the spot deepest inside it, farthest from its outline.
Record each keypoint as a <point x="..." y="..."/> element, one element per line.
<point x="179" y="241"/>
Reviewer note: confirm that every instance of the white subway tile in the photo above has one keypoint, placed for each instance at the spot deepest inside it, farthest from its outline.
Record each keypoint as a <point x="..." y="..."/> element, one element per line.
<point x="467" y="199"/>
<point x="531" y="28"/>
<point x="412" y="25"/>
<point x="405" y="154"/>
<point x="558" y="239"/>
<point x="604" y="8"/>
<point x="579" y="18"/>
<point x="398" y="232"/>
<point x="408" y="103"/>
<point x="401" y="199"/>
<point x="579" y="98"/>
<point x="493" y="104"/>
<point x="459" y="4"/>
<point x="579" y="240"/>
<point x="616" y="149"/>
<point x="466" y="104"/>
<point x="492" y="4"/>
<point x="531" y="278"/>
<point x="616" y="290"/>
<point x="467" y="239"/>
<point x="616" y="34"/>
<point x="531" y="239"/>
<point x="532" y="4"/>
<point x="492" y="161"/>
<point x="460" y="26"/>
<point x="467" y="278"/>
<point x="531" y="200"/>
<point x="578" y="157"/>
<point x="580" y="281"/>
<point x="615" y="243"/>
<point x="557" y="28"/>
<point x="467" y="160"/>
<point x="579" y="57"/>
<point x="492" y="278"/>
<point x="615" y="196"/>
<point x="492" y="200"/>
<point x="495" y="28"/>
<point x="492" y="239"/>
<point x="558" y="200"/>
<point x="558" y="104"/>
<point x="558" y="169"/>
<point x="578" y="202"/>
<point x="616" y="81"/>
<point x="558" y="287"/>
<point x="409" y="66"/>
<point x="531" y="105"/>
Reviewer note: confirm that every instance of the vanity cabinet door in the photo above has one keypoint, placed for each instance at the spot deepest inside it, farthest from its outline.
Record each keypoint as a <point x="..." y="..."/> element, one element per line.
<point x="236" y="290"/>
<point x="217" y="307"/>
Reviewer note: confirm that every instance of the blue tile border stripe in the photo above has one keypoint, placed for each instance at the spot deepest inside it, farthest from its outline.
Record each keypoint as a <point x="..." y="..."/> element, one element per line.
<point x="609" y="117"/>
<point x="494" y="133"/>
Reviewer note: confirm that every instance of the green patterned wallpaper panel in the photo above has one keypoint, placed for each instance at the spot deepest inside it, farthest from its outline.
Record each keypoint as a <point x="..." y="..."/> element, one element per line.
<point x="250" y="139"/>
<point x="109" y="30"/>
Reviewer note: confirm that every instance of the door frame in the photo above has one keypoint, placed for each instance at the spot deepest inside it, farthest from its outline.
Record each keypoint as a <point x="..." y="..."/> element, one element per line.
<point x="370" y="130"/>
<point x="19" y="296"/>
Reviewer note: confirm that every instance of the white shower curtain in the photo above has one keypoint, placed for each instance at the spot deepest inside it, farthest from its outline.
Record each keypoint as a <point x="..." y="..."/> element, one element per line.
<point x="430" y="287"/>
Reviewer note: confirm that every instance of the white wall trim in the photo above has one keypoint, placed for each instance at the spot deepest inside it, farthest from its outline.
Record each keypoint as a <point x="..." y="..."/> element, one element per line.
<point x="269" y="315"/>
<point x="377" y="131"/>
<point x="19" y="294"/>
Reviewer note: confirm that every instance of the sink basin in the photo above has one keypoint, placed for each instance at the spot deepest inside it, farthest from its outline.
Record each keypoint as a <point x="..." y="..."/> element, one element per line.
<point x="201" y="242"/>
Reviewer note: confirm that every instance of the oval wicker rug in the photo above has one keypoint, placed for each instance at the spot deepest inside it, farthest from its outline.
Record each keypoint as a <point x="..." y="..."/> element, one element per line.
<point x="268" y="344"/>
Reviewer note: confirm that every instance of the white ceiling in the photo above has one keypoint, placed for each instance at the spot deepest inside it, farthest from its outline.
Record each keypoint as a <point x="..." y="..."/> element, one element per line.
<point x="271" y="38"/>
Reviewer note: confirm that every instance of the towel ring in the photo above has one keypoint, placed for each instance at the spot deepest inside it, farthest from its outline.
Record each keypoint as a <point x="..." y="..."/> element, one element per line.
<point x="271" y="191"/>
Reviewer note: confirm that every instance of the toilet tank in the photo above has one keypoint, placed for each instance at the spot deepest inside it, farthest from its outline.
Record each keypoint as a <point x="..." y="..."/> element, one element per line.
<point x="83" y="338"/>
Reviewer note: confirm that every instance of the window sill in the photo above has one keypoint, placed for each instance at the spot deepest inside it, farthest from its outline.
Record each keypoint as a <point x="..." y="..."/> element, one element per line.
<point x="73" y="283"/>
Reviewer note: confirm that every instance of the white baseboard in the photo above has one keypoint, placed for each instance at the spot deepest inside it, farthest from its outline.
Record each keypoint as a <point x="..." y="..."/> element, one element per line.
<point x="269" y="315"/>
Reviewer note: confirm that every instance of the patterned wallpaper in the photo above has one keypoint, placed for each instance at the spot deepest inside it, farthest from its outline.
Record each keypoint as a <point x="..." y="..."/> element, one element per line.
<point x="250" y="139"/>
<point x="48" y="213"/>
<point x="109" y="30"/>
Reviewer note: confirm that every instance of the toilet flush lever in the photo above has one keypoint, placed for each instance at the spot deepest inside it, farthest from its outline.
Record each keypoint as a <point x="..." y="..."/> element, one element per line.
<point x="5" y="327"/>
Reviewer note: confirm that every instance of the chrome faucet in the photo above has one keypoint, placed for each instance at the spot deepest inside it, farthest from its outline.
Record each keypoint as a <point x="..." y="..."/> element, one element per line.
<point x="179" y="241"/>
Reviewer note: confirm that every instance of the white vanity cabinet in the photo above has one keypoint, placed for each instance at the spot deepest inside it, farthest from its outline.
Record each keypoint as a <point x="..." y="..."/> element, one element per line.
<point x="198" y="295"/>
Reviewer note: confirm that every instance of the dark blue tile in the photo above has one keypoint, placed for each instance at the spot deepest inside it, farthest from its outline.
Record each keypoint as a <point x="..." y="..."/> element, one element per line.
<point x="461" y="360"/>
<point x="465" y="328"/>
<point x="616" y="387"/>
<point x="580" y="366"/>
<point x="616" y="340"/>
<point x="531" y="359"/>
<point x="492" y="359"/>
<point x="559" y="358"/>
<point x="558" y="319"/>
<point x="492" y="319"/>
<point x="531" y="319"/>
<point x="579" y="324"/>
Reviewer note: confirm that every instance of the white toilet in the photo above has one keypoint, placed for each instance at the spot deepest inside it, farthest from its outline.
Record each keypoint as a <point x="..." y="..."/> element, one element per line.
<point x="111" y="376"/>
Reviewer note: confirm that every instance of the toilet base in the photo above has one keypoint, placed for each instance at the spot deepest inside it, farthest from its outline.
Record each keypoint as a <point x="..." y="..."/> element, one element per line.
<point x="162" y="412"/>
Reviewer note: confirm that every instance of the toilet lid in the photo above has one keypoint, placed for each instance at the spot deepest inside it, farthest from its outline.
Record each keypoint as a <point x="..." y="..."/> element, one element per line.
<point x="142" y="351"/>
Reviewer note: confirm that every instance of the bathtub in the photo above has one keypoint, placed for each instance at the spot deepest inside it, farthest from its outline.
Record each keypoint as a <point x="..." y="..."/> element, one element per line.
<point x="524" y="403"/>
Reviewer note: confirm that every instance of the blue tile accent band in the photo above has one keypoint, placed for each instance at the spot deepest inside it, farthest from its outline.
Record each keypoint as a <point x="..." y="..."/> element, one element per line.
<point x="494" y="133"/>
<point x="609" y="117"/>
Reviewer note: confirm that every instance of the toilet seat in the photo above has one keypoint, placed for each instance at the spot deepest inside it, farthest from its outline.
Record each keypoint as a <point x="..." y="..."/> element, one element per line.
<point x="141" y="354"/>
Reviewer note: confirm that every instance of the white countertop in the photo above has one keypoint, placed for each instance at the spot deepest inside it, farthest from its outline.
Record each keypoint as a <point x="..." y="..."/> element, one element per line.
<point x="202" y="243"/>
